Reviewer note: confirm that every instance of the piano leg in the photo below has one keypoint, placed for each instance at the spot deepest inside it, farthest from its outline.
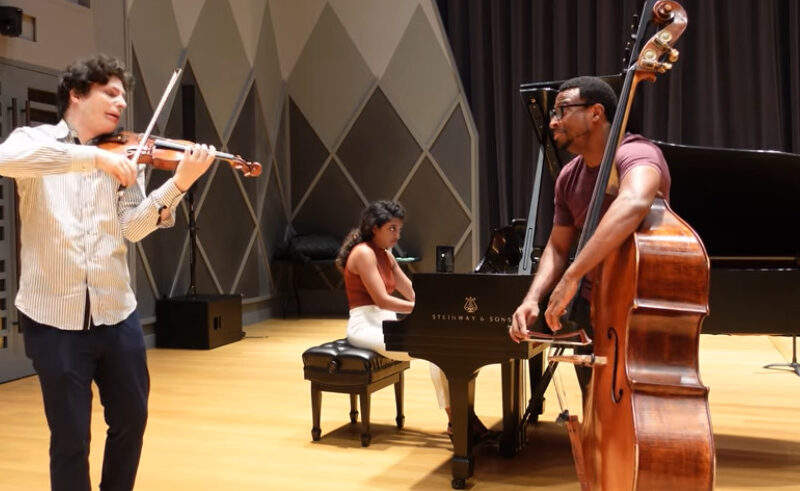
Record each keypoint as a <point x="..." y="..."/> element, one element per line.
<point x="535" y="373"/>
<point x="513" y="437"/>
<point x="462" y="402"/>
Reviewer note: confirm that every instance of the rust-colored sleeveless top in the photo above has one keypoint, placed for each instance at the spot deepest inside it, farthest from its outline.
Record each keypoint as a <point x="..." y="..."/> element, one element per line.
<point x="357" y="294"/>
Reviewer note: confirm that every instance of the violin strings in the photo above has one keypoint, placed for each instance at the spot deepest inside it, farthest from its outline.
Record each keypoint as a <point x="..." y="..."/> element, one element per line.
<point x="182" y="147"/>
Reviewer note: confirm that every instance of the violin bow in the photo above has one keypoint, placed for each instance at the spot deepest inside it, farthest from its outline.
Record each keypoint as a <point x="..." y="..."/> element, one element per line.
<point x="156" y="113"/>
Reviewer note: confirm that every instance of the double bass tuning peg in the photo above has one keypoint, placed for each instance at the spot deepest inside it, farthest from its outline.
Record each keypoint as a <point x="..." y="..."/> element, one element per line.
<point x="673" y="55"/>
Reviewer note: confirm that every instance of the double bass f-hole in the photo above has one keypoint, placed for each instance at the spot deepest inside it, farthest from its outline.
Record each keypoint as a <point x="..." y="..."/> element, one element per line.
<point x="616" y="395"/>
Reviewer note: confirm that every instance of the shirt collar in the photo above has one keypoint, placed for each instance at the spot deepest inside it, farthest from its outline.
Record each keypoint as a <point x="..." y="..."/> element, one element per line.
<point x="66" y="134"/>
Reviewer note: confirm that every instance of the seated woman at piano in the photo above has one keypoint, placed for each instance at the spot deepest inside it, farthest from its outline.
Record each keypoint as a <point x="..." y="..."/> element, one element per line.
<point x="371" y="275"/>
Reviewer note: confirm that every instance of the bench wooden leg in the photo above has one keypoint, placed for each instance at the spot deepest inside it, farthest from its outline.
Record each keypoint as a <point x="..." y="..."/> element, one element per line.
<point x="353" y="410"/>
<point x="365" y="402"/>
<point x="316" y="407"/>
<point x="398" y="399"/>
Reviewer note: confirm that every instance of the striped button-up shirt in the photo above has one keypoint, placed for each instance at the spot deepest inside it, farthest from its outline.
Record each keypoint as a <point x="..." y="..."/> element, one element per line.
<point x="74" y="222"/>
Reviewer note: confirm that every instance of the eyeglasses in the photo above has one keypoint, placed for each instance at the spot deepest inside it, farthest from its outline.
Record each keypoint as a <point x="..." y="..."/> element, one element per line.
<point x="558" y="111"/>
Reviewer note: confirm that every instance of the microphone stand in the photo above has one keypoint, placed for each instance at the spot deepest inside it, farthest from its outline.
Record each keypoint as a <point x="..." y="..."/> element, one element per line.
<point x="192" y="291"/>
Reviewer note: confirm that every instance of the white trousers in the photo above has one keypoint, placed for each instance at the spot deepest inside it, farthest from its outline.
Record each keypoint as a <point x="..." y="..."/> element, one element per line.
<point x="365" y="330"/>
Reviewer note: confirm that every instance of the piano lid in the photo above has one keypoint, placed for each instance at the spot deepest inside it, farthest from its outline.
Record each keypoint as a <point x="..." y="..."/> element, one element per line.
<point x="744" y="204"/>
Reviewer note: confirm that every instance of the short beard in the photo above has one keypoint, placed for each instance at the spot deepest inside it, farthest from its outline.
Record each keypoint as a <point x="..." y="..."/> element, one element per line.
<point x="564" y="144"/>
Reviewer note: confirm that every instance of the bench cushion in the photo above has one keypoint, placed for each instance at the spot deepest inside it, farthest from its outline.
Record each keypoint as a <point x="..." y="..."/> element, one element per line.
<point x="339" y="363"/>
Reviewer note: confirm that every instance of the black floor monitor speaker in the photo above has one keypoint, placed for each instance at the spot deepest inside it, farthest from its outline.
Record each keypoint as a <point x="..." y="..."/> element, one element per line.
<point x="10" y="21"/>
<point x="198" y="321"/>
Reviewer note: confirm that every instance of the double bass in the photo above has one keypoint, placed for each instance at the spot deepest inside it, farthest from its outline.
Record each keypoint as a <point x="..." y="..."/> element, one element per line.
<point x="646" y="421"/>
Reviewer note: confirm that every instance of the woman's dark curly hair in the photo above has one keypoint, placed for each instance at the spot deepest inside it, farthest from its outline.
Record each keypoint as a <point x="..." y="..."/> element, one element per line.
<point x="374" y="215"/>
<point x="80" y="76"/>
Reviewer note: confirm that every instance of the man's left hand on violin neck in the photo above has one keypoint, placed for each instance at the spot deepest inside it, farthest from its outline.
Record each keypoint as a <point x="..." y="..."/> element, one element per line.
<point x="196" y="161"/>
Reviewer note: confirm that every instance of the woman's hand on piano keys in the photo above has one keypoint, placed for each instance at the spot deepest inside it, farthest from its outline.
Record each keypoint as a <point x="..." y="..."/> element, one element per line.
<point x="525" y="315"/>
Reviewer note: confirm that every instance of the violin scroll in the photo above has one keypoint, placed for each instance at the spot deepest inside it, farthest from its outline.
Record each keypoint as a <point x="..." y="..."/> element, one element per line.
<point x="249" y="169"/>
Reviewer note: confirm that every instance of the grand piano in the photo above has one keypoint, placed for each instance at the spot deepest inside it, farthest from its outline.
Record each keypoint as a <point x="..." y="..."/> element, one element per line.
<point x="460" y="323"/>
<point x="744" y="204"/>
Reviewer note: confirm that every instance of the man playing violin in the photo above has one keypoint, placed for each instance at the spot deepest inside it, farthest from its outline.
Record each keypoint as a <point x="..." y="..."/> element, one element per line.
<point x="580" y="123"/>
<point x="77" y="205"/>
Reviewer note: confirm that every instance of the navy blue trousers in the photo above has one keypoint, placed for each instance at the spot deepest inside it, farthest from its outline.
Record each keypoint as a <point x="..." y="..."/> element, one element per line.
<point x="67" y="362"/>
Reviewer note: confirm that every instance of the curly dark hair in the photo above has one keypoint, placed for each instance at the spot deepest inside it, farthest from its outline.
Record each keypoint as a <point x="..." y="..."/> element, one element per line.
<point x="80" y="76"/>
<point x="595" y="91"/>
<point x="374" y="215"/>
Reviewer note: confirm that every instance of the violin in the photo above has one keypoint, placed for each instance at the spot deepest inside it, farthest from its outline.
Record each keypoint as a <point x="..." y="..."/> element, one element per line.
<point x="166" y="153"/>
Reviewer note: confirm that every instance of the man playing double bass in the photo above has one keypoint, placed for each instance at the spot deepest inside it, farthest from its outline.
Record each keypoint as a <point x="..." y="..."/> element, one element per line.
<point x="580" y="122"/>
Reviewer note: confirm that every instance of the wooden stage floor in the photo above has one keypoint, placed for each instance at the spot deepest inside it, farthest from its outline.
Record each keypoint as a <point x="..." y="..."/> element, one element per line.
<point x="238" y="418"/>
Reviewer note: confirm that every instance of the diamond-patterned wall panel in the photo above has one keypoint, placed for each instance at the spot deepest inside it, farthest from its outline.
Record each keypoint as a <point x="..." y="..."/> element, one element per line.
<point x="432" y="13"/>
<point x="318" y="277"/>
<point x="145" y="299"/>
<point x="273" y="220"/>
<point x="159" y="54"/>
<point x="452" y="153"/>
<point x="252" y="283"/>
<point x="376" y="27"/>
<point x="139" y="100"/>
<point x="163" y="247"/>
<point x="204" y="283"/>
<point x="330" y="78"/>
<point x="379" y="151"/>
<point x="224" y="214"/>
<point x="307" y="153"/>
<point x="420" y="81"/>
<point x="186" y="14"/>
<point x="267" y="73"/>
<point x="282" y="157"/>
<point x="241" y="142"/>
<point x="204" y="129"/>
<point x="433" y="216"/>
<point x="293" y="22"/>
<point x="248" y="15"/>
<point x="219" y="63"/>
<point x="331" y="208"/>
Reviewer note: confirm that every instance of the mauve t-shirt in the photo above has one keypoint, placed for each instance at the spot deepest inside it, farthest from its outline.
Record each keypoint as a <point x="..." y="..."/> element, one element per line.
<point x="575" y="184"/>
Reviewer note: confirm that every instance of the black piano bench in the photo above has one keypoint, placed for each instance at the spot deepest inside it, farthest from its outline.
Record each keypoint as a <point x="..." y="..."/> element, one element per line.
<point x="339" y="367"/>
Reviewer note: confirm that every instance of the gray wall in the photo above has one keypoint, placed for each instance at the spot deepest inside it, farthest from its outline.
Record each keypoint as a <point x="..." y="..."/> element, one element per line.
<point x="342" y="102"/>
